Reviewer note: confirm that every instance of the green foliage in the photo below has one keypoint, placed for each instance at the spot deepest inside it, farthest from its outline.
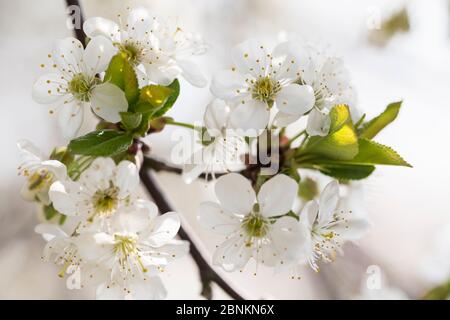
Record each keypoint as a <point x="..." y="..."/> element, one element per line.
<point x="345" y="171"/>
<point x="130" y="120"/>
<point x="175" y="86"/>
<point x="341" y="143"/>
<point x="371" y="152"/>
<point x="101" y="143"/>
<point x="121" y="73"/>
<point x="307" y="189"/>
<point x="371" y="128"/>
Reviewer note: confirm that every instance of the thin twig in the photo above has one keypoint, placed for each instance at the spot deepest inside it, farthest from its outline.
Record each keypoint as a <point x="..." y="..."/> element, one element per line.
<point x="207" y="274"/>
<point x="79" y="33"/>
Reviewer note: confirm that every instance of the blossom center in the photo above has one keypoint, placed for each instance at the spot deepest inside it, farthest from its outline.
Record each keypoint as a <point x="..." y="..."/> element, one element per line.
<point x="255" y="225"/>
<point x="40" y="179"/>
<point x="133" y="51"/>
<point x="126" y="249"/>
<point x="106" y="201"/>
<point x="265" y="89"/>
<point x="80" y="86"/>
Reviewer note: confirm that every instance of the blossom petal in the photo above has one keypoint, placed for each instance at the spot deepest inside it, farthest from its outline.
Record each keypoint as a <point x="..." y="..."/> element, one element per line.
<point x="235" y="193"/>
<point x="283" y="119"/>
<point x="192" y="73"/>
<point x="309" y="214"/>
<point x="98" y="54"/>
<point x="212" y="216"/>
<point x="233" y="254"/>
<point x="276" y="196"/>
<point x="48" y="89"/>
<point x="70" y="118"/>
<point x="295" y="99"/>
<point x="127" y="178"/>
<point x="99" y="174"/>
<point x="161" y="75"/>
<point x="67" y="55"/>
<point x="216" y="116"/>
<point x="318" y="123"/>
<point x="61" y="194"/>
<point x="94" y="246"/>
<point x="228" y="85"/>
<point x="49" y="231"/>
<point x="164" y="229"/>
<point x="150" y="289"/>
<point x="328" y="202"/>
<point x="352" y="229"/>
<point x="251" y="117"/>
<point x="98" y="26"/>
<point x="108" y="101"/>
<point x="250" y="57"/>
<point x="137" y="220"/>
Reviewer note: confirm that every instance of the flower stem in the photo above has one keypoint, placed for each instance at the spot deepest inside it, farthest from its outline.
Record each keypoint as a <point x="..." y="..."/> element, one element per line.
<point x="298" y="135"/>
<point x="182" y="124"/>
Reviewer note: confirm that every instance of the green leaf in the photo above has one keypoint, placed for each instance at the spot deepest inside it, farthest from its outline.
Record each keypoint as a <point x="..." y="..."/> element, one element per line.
<point x="371" y="152"/>
<point x="341" y="143"/>
<point x="371" y="128"/>
<point x="121" y="73"/>
<point x="152" y="98"/>
<point x="343" y="171"/>
<point x="50" y="212"/>
<point x="131" y="120"/>
<point x="175" y="86"/>
<point x="339" y="116"/>
<point x="102" y="143"/>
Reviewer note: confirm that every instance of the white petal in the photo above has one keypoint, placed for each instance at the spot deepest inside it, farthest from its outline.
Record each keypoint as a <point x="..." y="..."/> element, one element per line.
<point x="139" y="23"/>
<point x="283" y="119"/>
<point x="127" y="178"/>
<point x="276" y="196"/>
<point x="62" y="196"/>
<point x="70" y="118"/>
<point x="352" y="229"/>
<point x="57" y="168"/>
<point x="291" y="60"/>
<point x="50" y="231"/>
<point x="161" y="75"/>
<point x="214" y="217"/>
<point x="164" y="229"/>
<point x="250" y="57"/>
<point x="150" y="289"/>
<point x="228" y="85"/>
<point x="328" y="201"/>
<point x="98" y="54"/>
<point x="137" y="220"/>
<point x="192" y="73"/>
<point x="318" y="123"/>
<point x="94" y="246"/>
<point x="175" y="249"/>
<point x="98" y="26"/>
<point x="309" y="214"/>
<point x="290" y="242"/>
<point x="99" y="174"/>
<point x="233" y="254"/>
<point x="235" y="193"/>
<point x="67" y="55"/>
<point x="107" y="101"/>
<point x="250" y="117"/>
<point x="108" y="291"/>
<point x="295" y="99"/>
<point x="29" y="153"/>
<point x="216" y="117"/>
<point x="45" y="89"/>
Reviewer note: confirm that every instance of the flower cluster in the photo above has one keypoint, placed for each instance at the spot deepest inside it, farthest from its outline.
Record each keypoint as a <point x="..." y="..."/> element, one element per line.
<point x="127" y="74"/>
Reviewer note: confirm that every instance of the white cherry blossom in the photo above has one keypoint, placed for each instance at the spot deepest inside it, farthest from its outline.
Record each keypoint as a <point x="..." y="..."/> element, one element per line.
<point x="221" y="148"/>
<point x="329" y="227"/>
<point x="75" y="83"/>
<point x="39" y="171"/>
<point x="252" y="225"/>
<point x="102" y="190"/>
<point x="260" y="80"/>
<point x="159" y="49"/>
<point x="131" y="251"/>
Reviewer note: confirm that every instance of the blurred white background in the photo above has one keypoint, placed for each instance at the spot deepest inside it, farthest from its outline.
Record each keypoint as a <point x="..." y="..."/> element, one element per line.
<point x="409" y="208"/>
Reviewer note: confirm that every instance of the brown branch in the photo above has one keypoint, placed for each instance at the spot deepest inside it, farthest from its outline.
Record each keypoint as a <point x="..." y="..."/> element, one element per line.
<point x="207" y="274"/>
